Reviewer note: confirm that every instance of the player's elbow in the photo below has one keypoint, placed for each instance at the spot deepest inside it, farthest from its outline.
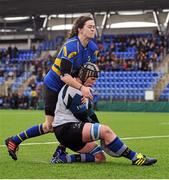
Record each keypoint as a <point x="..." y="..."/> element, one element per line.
<point x="65" y="78"/>
<point x="107" y="134"/>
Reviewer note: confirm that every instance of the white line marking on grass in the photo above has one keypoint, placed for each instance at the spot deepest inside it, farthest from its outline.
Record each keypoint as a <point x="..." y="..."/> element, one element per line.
<point x="126" y="138"/>
<point x="36" y="143"/>
<point x="145" y="137"/>
<point x="165" y="123"/>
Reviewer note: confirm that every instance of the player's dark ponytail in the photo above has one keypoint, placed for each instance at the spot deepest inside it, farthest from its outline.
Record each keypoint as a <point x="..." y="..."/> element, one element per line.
<point x="78" y="23"/>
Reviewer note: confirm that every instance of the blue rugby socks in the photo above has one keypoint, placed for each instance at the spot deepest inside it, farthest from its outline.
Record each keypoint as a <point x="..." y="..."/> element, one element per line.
<point x="119" y="148"/>
<point x="29" y="133"/>
<point x="80" y="158"/>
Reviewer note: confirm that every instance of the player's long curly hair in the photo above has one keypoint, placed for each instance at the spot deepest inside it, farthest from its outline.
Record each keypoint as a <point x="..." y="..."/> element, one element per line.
<point x="78" y="23"/>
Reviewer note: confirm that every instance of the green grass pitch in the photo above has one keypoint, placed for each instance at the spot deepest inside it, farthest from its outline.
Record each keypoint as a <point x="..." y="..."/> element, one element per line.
<point x="148" y="132"/>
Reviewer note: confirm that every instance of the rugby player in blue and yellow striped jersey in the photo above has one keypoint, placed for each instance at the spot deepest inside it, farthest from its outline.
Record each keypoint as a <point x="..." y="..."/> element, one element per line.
<point x="76" y="51"/>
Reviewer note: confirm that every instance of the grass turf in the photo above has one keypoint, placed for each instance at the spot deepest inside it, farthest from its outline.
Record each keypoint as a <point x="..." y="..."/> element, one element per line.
<point x="33" y="160"/>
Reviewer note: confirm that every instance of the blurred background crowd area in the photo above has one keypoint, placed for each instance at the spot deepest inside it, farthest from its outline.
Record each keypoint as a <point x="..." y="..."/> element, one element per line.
<point x="132" y="58"/>
<point x="24" y="70"/>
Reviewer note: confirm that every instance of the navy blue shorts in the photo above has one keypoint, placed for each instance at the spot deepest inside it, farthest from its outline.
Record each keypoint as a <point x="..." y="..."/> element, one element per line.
<point x="50" y="98"/>
<point x="70" y="135"/>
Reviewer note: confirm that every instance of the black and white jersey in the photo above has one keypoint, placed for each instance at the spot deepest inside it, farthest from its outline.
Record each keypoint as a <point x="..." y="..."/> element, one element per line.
<point x="69" y="106"/>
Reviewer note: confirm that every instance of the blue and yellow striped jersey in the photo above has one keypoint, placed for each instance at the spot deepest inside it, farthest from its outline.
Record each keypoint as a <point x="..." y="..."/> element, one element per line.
<point x="73" y="51"/>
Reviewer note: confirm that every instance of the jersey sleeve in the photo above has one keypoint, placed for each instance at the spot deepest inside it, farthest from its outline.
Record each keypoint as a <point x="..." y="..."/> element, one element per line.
<point x="79" y="110"/>
<point x="72" y="99"/>
<point x="73" y="102"/>
<point x="92" y="116"/>
<point x="69" y="50"/>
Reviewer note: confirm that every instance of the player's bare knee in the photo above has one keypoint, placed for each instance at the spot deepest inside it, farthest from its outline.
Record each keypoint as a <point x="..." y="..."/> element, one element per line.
<point x="47" y="127"/>
<point x="100" y="157"/>
<point x="107" y="133"/>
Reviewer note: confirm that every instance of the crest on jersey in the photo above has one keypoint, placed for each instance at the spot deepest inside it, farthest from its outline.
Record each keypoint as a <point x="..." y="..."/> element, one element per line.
<point x="89" y="59"/>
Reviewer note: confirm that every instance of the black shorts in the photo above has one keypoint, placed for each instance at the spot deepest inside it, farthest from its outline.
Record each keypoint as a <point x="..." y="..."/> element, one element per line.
<point x="70" y="135"/>
<point x="50" y="98"/>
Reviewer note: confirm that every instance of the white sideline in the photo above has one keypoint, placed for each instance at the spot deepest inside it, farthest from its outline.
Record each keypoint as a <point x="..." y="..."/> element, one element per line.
<point x="125" y="138"/>
<point x="145" y="137"/>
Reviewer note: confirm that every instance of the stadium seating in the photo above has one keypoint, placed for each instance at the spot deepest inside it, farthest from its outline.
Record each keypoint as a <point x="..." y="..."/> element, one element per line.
<point x="27" y="91"/>
<point x="133" y="48"/>
<point x="113" y="84"/>
<point x="126" y="85"/>
<point x="165" y="94"/>
<point x="25" y="55"/>
<point x="51" y="44"/>
<point x="20" y="80"/>
<point x="2" y="80"/>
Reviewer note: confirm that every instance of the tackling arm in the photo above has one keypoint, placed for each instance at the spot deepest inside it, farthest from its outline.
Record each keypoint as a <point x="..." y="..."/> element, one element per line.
<point x="82" y="111"/>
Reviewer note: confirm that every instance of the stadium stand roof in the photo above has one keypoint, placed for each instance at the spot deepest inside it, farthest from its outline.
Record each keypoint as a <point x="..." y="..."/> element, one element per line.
<point x="39" y="14"/>
<point x="38" y="7"/>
